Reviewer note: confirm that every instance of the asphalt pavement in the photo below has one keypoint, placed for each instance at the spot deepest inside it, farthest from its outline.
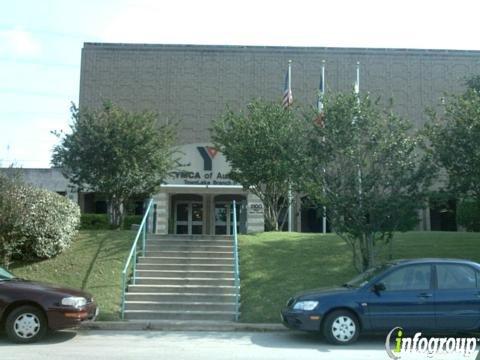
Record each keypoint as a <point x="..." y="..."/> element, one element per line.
<point x="144" y="345"/>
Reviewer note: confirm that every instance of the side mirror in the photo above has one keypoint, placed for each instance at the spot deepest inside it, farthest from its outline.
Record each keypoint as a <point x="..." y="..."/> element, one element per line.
<point x="379" y="287"/>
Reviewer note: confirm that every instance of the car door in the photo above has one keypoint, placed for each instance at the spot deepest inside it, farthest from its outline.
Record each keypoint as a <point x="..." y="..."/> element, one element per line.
<point x="4" y="301"/>
<point x="457" y="297"/>
<point x="406" y="301"/>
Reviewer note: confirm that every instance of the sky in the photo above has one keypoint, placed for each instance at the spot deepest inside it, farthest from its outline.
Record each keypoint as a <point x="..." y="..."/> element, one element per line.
<point x="41" y="42"/>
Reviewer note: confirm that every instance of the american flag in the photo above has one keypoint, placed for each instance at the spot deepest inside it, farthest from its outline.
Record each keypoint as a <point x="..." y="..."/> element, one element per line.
<point x="320" y="119"/>
<point x="287" y="99"/>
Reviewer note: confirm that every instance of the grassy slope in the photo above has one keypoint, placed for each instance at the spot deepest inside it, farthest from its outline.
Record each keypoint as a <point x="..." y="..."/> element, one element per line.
<point x="94" y="263"/>
<point x="274" y="266"/>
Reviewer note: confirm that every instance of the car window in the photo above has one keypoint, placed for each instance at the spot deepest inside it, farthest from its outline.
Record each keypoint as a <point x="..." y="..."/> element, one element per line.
<point x="414" y="277"/>
<point x="365" y="277"/>
<point x="455" y="276"/>
<point x="5" y="275"/>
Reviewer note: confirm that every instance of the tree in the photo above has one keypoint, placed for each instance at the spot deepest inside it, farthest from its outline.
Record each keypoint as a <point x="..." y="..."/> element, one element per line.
<point x="259" y="144"/>
<point x="454" y="142"/>
<point x="363" y="164"/>
<point x="115" y="152"/>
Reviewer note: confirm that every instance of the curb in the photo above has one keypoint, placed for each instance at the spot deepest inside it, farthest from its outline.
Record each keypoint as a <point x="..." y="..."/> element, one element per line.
<point x="168" y="325"/>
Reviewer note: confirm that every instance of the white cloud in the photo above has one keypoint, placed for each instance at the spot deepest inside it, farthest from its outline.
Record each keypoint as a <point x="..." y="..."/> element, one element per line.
<point x="18" y="43"/>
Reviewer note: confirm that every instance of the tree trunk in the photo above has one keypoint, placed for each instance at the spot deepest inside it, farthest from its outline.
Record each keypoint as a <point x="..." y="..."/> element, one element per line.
<point x="115" y="212"/>
<point x="371" y="254"/>
<point x="390" y="248"/>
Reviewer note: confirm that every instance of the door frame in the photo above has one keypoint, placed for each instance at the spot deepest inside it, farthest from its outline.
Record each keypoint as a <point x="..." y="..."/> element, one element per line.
<point x="189" y="222"/>
<point x="227" y="217"/>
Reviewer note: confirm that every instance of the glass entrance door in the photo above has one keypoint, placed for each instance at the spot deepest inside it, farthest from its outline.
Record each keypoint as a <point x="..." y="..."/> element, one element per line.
<point x="224" y="218"/>
<point x="189" y="218"/>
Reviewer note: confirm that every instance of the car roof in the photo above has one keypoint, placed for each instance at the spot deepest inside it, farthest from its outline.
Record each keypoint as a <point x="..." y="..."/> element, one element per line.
<point x="434" y="260"/>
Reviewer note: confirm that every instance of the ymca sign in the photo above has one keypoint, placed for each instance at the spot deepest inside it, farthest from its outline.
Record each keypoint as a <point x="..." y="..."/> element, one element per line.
<point x="200" y="164"/>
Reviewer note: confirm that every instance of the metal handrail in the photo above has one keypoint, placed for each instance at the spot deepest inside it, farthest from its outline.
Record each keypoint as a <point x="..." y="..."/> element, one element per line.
<point x="133" y="254"/>
<point x="235" y="262"/>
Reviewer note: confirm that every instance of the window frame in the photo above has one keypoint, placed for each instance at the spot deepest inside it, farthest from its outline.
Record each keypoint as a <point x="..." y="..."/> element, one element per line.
<point x="475" y="271"/>
<point x="398" y="268"/>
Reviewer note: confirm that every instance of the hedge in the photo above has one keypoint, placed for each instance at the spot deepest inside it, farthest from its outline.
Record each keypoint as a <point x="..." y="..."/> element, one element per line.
<point x="468" y="215"/>
<point x="94" y="222"/>
<point x="100" y="221"/>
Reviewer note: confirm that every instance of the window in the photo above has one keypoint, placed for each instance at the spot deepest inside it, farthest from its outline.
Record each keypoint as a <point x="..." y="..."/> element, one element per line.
<point x="454" y="276"/>
<point x="415" y="277"/>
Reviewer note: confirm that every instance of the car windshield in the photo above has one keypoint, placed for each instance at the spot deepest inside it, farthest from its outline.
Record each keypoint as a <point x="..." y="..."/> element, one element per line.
<point x="5" y="275"/>
<point x="363" y="278"/>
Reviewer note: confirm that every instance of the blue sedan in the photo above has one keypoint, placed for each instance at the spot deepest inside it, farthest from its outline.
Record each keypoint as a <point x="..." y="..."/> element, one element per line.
<point x="431" y="295"/>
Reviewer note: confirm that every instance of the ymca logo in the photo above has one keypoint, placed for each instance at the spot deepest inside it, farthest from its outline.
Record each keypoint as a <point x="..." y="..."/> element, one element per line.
<point x="207" y="153"/>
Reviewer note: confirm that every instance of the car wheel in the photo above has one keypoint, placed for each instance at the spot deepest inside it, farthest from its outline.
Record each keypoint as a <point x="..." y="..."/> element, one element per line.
<point x="341" y="327"/>
<point x="25" y="324"/>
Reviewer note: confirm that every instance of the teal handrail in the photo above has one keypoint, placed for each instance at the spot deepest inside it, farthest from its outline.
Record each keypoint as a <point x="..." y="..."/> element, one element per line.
<point x="133" y="254"/>
<point x="235" y="262"/>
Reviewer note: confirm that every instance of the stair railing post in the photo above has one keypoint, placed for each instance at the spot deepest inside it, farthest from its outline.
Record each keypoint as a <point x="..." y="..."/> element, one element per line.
<point x="124" y="285"/>
<point x="134" y="264"/>
<point x="235" y="260"/>
<point x="154" y="220"/>
<point x="144" y="230"/>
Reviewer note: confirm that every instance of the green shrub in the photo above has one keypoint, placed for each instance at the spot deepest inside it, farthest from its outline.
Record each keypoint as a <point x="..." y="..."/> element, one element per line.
<point x="130" y="220"/>
<point x="34" y="223"/>
<point x="468" y="215"/>
<point x="49" y="223"/>
<point x="94" y="222"/>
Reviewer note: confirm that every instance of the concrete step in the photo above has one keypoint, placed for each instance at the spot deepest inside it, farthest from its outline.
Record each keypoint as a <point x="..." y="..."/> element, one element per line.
<point x="210" y="274"/>
<point x="191" y="254"/>
<point x="184" y="260"/>
<point x="175" y="315"/>
<point x="184" y="281"/>
<point x="185" y="267"/>
<point x="190" y="247"/>
<point x="228" y="243"/>
<point x="183" y="289"/>
<point x="174" y="297"/>
<point x="189" y="237"/>
<point x="179" y="306"/>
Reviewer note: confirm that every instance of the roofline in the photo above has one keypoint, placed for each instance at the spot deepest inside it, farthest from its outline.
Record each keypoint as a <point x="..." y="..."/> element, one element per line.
<point x="283" y="49"/>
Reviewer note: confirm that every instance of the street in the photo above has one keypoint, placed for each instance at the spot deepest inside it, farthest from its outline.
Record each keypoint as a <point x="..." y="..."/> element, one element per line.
<point x="143" y="345"/>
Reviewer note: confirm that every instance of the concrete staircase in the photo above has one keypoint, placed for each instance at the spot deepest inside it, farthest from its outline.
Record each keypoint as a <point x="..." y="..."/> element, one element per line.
<point x="184" y="277"/>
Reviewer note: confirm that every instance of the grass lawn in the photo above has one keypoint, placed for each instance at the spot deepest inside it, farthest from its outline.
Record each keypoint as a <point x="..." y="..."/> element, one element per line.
<point x="93" y="263"/>
<point x="274" y="266"/>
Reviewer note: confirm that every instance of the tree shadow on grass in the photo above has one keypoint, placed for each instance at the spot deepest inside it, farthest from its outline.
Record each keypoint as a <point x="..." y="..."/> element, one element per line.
<point x="100" y="246"/>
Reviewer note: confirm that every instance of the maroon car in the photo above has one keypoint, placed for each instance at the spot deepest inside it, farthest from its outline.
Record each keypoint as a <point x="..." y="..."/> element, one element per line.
<point x="28" y="309"/>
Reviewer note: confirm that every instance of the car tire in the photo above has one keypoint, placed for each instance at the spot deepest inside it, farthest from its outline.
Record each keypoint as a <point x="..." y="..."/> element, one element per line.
<point x="341" y="327"/>
<point x="25" y="324"/>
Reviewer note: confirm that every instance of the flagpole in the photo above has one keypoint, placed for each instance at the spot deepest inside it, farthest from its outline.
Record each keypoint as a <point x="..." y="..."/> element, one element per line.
<point x="357" y="92"/>
<point x="290" y="197"/>
<point x="357" y="85"/>
<point x="320" y="110"/>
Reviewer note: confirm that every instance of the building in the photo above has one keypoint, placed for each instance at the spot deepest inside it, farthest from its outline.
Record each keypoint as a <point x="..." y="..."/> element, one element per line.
<point x="192" y="85"/>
